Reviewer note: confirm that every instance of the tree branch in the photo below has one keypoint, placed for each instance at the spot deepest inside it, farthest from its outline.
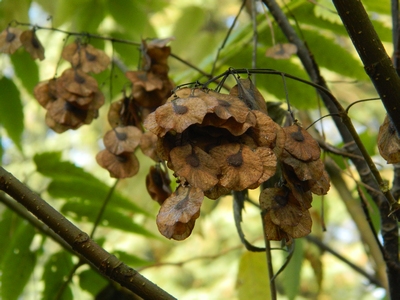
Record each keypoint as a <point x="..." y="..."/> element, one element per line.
<point x="377" y="63"/>
<point x="80" y="242"/>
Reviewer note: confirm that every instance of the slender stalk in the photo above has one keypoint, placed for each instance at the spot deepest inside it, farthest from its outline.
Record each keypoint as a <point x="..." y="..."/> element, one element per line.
<point x="80" y="242"/>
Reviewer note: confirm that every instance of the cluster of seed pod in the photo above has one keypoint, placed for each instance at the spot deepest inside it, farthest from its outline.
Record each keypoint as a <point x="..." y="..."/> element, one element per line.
<point x="217" y="143"/>
<point x="151" y="87"/>
<point x="74" y="98"/>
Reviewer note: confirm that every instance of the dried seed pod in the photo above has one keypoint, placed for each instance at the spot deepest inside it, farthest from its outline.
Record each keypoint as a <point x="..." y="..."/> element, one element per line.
<point x="32" y="44"/>
<point x="148" y="145"/>
<point x="66" y="114"/>
<point x="122" y="139"/>
<point x="120" y="166"/>
<point x="273" y="231"/>
<point x="301" y="144"/>
<point x="77" y="82"/>
<point x="240" y="166"/>
<point x="268" y="160"/>
<point x="147" y="80"/>
<point x="158" y="184"/>
<point x="230" y="106"/>
<point x="179" y="212"/>
<point x="179" y="114"/>
<point x="249" y="94"/>
<point x="286" y="211"/>
<point x="216" y="192"/>
<point x="10" y="40"/>
<point x="321" y="185"/>
<point x="195" y="166"/>
<point x="311" y="170"/>
<point x="389" y="142"/>
<point x="45" y="92"/>
<point x="264" y="132"/>
<point x="86" y="57"/>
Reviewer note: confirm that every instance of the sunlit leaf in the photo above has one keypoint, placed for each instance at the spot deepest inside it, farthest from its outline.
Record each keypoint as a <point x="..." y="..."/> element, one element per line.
<point x="55" y="270"/>
<point x="192" y="18"/>
<point x="123" y="12"/>
<point x="112" y="217"/>
<point x="8" y="223"/>
<point x="11" y="112"/>
<point x="70" y="181"/>
<point x="291" y="274"/>
<point x="329" y="54"/>
<point x="18" y="263"/>
<point x="8" y="11"/>
<point x="26" y="69"/>
<point x="252" y="279"/>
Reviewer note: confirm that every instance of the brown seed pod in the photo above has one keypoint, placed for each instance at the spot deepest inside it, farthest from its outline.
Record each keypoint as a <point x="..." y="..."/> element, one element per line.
<point x="389" y="142"/>
<point x="148" y="145"/>
<point x="264" y="132"/>
<point x="67" y="114"/>
<point x="268" y="160"/>
<point x="45" y="92"/>
<point x="230" y="106"/>
<point x="311" y="170"/>
<point x="179" y="114"/>
<point x="122" y="139"/>
<point x="301" y="144"/>
<point x="10" y="40"/>
<point x="249" y="94"/>
<point x="32" y="44"/>
<point x="216" y="192"/>
<point x="195" y="166"/>
<point x="286" y="211"/>
<point x="240" y="166"/>
<point x="147" y="80"/>
<point x="77" y="82"/>
<point x="86" y="57"/>
<point x="120" y="166"/>
<point x="179" y="212"/>
<point x="158" y="184"/>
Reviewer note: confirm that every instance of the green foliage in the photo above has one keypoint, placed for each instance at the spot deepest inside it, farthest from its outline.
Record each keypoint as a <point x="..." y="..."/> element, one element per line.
<point x="70" y="181"/>
<point x="252" y="277"/>
<point x="11" y="112"/>
<point x="292" y="273"/>
<point x="18" y="262"/>
<point x="55" y="270"/>
<point x="26" y="70"/>
<point x="91" y="281"/>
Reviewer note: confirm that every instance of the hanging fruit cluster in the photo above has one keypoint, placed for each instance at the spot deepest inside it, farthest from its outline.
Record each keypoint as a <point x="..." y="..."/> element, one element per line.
<point x="151" y="87"/>
<point x="217" y="143"/>
<point x="74" y="98"/>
